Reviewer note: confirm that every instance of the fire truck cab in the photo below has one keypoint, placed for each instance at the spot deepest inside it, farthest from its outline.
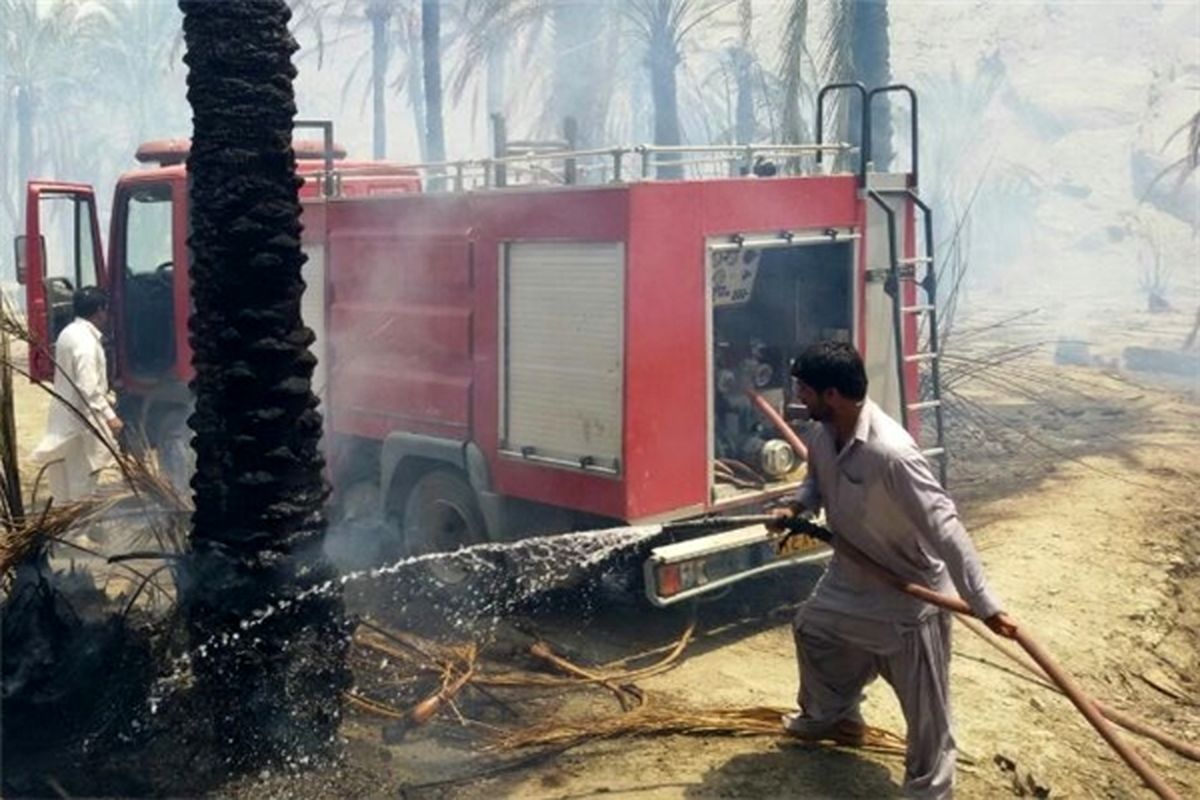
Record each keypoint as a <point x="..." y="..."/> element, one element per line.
<point x="547" y="341"/>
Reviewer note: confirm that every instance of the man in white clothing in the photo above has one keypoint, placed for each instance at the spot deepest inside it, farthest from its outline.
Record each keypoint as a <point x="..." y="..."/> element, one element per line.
<point x="880" y="496"/>
<point x="82" y="426"/>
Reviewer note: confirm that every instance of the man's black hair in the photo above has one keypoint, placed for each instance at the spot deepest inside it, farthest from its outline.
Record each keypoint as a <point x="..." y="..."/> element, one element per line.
<point x="832" y="365"/>
<point x="89" y="300"/>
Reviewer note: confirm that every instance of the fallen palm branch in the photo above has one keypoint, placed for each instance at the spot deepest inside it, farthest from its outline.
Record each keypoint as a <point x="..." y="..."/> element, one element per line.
<point x="452" y="669"/>
<point x="457" y="668"/>
<point x="662" y="720"/>
<point x="627" y="695"/>
<point x="418" y="661"/>
<point x="454" y="677"/>
<point x="618" y="680"/>
<point x="24" y="537"/>
<point x="159" y="513"/>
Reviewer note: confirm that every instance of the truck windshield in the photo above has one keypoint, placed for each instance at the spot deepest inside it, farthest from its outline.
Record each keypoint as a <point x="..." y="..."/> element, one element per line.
<point x="148" y="230"/>
<point x="148" y="310"/>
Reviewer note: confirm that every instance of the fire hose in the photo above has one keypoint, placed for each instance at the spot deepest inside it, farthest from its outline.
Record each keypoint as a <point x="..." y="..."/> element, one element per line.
<point x="767" y="410"/>
<point x="1085" y="704"/>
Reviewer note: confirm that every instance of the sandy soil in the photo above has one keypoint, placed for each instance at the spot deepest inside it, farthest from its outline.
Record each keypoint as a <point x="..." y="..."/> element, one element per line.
<point x="1080" y="493"/>
<point x="1082" y="502"/>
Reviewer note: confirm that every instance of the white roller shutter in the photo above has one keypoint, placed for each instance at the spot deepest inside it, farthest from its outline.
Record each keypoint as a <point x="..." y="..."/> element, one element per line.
<point x="562" y="339"/>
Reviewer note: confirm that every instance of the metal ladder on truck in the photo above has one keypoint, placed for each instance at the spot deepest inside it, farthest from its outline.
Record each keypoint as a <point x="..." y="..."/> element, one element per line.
<point x="926" y="350"/>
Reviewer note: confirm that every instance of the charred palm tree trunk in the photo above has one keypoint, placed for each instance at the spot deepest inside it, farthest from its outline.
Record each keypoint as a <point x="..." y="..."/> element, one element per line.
<point x="273" y="689"/>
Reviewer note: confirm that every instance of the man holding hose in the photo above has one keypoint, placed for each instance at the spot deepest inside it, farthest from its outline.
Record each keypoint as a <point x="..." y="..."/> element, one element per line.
<point x="880" y="496"/>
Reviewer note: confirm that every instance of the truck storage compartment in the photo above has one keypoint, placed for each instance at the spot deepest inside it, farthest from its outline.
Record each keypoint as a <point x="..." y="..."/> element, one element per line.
<point x="768" y="303"/>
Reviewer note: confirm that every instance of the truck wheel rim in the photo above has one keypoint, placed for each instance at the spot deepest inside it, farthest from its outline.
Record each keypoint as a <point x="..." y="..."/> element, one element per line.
<point x="444" y="529"/>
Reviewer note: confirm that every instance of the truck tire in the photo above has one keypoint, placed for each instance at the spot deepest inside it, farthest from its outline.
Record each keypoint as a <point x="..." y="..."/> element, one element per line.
<point x="441" y="514"/>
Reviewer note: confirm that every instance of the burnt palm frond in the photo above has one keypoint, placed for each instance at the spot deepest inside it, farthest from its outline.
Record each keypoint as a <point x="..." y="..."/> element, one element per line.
<point x="13" y="506"/>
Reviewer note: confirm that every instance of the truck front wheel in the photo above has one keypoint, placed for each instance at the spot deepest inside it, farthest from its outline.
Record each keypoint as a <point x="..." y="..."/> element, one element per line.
<point x="441" y="514"/>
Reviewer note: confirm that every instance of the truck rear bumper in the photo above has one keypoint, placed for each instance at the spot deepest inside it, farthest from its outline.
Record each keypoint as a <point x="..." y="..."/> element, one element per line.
<point x="684" y="570"/>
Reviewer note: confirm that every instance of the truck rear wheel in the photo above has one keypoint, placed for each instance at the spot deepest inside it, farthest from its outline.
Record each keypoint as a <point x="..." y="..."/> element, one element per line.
<point x="441" y="514"/>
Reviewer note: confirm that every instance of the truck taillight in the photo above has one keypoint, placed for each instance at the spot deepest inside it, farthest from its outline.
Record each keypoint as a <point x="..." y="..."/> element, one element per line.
<point x="668" y="579"/>
<point x="681" y="570"/>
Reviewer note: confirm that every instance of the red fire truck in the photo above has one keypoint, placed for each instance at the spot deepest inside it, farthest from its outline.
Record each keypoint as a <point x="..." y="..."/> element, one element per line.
<point x="547" y="341"/>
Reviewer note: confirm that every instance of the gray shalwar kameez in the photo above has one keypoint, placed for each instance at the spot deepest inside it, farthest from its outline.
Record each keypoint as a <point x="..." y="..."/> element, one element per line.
<point x="880" y="495"/>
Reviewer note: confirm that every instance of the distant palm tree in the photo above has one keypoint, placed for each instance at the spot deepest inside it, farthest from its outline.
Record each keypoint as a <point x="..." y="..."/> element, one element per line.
<point x="272" y="692"/>
<point x="42" y="47"/>
<point x="380" y="16"/>
<point x="402" y="52"/>
<point x="431" y="74"/>
<point x="856" y="48"/>
<point x="793" y="50"/>
<point x="663" y="26"/>
<point x="744" y="74"/>
<point x="139" y="53"/>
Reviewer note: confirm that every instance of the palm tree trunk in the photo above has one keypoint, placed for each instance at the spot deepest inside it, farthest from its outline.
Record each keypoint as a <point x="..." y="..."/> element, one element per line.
<point x="272" y="693"/>
<point x="792" y="66"/>
<point x="24" y="103"/>
<point x="414" y="88"/>
<point x="744" y="119"/>
<point x="871" y="58"/>
<point x="663" y="60"/>
<point x="379" y="13"/>
<point x="578" y="69"/>
<point x="431" y="59"/>
<point x="497" y="57"/>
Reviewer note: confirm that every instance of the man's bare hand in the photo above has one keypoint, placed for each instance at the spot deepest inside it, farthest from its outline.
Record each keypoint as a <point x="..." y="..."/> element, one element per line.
<point x="1002" y="625"/>
<point x="115" y="425"/>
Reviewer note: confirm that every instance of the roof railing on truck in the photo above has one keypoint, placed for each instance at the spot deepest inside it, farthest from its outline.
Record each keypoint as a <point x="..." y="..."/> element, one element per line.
<point x="603" y="165"/>
<point x="627" y="164"/>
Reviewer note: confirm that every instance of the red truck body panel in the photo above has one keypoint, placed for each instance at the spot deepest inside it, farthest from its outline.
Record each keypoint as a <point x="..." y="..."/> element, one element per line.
<point x="412" y="328"/>
<point x="413" y="293"/>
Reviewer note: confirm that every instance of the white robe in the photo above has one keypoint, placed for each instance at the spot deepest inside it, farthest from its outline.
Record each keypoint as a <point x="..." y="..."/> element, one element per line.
<point x="78" y="442"/>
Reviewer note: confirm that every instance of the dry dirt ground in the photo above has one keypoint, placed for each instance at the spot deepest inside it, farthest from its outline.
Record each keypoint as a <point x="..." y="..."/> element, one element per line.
<point x="1081" y="497"/>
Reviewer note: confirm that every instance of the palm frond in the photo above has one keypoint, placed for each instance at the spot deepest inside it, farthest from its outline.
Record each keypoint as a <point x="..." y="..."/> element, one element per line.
<point x="1184" y="166"/>
<point x="487" y="22"/>
<point x="835" y="55"/>
<point x="791" y="69"/>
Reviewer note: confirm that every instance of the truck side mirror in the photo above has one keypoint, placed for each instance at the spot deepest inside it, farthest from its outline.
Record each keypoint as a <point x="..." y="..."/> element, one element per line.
<point x="22" y="263"/>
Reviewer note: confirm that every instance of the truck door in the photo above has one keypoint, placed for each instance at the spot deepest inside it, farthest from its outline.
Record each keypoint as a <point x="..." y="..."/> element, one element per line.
<point x="59" y="253"/>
